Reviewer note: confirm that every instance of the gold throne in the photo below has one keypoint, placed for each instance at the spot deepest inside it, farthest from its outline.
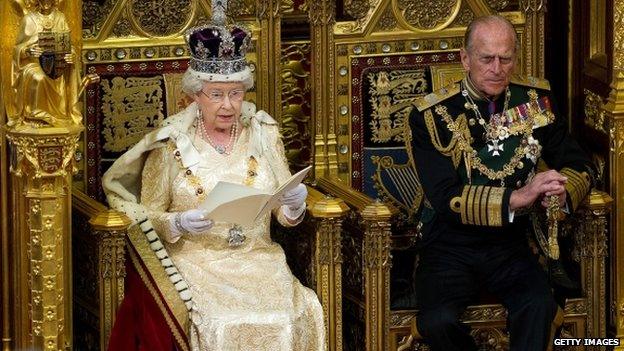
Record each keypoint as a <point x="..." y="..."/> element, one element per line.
<point x="383" y="59"/>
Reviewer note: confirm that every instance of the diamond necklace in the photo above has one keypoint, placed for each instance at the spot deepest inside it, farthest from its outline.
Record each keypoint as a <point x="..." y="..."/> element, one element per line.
<point x="221" y="149"/>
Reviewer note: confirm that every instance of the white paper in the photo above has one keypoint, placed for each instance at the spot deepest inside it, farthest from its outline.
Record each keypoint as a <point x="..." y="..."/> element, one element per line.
<point x="243" y="205"/>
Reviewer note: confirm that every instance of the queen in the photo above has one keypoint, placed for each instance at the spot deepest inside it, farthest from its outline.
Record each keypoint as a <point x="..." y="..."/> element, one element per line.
<point x="236" y="289"/>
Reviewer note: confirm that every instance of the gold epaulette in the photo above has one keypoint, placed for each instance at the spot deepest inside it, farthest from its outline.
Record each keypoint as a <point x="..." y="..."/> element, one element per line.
<point x="442" y="94"/>
<point x="530" y="81"/>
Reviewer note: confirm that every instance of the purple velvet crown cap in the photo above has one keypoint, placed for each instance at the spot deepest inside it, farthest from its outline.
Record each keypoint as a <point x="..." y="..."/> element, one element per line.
<point x="218" y="49"/>
<point x="218" y="42"/>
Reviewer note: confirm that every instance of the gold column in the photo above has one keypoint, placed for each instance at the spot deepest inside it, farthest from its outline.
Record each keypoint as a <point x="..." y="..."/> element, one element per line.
<point x="109" y="227"/>
<point x="377" y="264"/>
<point x="322" y="20"/>
<point x="268" y="90"/>
<point x="329" y="213"/>
<point x="41" y="168"/>
<point x="534" y="10"/>
<point x="614" y="109"/>
<point x="593" y="249"/>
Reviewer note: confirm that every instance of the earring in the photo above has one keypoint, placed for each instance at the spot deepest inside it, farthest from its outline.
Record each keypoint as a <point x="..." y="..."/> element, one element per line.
<point x="199" y="112"/>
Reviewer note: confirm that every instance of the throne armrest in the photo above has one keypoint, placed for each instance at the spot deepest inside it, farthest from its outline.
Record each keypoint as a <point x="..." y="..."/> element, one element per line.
<point x="366" y="248"/>
<point x="591" y="251"/>
<point x="98" y="241"/>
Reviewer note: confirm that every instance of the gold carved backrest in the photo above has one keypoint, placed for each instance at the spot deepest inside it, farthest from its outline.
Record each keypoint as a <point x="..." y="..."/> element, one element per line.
<point x="137" y="49"/>
<point x="386" y="58"/>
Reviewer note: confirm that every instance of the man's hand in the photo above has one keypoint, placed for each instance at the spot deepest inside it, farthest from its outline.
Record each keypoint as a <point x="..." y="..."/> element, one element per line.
<point x="561" y="195"/>
<point x="544" y="183"/>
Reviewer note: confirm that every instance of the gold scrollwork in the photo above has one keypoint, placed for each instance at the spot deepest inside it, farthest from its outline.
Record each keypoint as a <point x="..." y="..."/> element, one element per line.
<point x="357" y="8"/>
<point x="498" y="5"/>
<point x="594" y="111"/>
<point x="387" y="21"/>
<point x="464" y="17"/>
<point x="95" y="13"/>
<point x="491" y="338"/>
<point x="238" y="8"/>
<point x="575" y="307"/>
<point x="131" y="106"/>
<point x="420" y="15"/>
<point x="618" y="35"/>
<point x="161" y="18"/>
<point x="322" y="13"/>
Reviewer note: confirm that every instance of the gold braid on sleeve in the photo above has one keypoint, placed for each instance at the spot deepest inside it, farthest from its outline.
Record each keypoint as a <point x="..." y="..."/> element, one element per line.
<point x="577" y="186"/>
<point x="480" y="205"/>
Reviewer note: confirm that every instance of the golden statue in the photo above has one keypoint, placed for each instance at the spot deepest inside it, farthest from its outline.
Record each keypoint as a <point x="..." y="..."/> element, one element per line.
<point x="44" y="78"/>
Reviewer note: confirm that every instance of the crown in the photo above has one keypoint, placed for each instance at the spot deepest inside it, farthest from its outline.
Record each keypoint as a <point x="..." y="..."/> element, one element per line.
<point x="218" y="48"/>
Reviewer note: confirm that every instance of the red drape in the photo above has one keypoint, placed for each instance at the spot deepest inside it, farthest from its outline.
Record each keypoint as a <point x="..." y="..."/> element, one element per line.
<point x="140" y="324"/>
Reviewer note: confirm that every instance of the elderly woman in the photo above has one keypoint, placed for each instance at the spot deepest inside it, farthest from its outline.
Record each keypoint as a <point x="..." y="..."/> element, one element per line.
<point x="233" y="282"/>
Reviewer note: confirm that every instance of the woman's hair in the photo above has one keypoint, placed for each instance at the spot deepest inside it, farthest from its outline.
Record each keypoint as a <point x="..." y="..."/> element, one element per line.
<point x="193" y="81"/>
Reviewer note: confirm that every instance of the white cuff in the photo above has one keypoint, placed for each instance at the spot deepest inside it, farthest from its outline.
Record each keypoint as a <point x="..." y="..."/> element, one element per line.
<point x="512" y="214"/>
<point x="565" y="208"/>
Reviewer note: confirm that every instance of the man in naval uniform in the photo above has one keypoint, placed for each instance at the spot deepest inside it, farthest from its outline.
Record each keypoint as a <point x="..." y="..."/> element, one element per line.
<point x="476" y="145"/>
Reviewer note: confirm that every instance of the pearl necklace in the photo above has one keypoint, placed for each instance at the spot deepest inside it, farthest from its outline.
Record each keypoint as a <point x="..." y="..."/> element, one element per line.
<point x="221" y="149"/>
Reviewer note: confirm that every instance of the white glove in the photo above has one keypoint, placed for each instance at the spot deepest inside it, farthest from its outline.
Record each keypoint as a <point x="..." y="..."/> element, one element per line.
<point x="191" y="221"/>
<point x="295" y="197"/>
<point x="293" y="202"/>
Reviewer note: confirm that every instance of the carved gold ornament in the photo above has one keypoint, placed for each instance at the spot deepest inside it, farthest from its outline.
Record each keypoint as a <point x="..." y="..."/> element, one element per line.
<point x="421" y="15"/>
<point x="161" y="18"/>
<point x="594" y="111"/>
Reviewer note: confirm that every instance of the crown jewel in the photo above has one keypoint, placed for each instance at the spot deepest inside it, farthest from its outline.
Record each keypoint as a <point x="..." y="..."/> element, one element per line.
<point x="217" y="47"/>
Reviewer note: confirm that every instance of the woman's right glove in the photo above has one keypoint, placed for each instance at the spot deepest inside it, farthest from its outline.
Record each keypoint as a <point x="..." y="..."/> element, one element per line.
<point x="189" y="222"/>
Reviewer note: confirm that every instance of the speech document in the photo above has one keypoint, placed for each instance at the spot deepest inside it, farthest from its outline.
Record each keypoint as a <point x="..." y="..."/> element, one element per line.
<point x="243" y="205"/>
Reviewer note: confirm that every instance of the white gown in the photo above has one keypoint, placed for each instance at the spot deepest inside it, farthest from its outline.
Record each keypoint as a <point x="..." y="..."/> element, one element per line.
<point x="247" y="297"/>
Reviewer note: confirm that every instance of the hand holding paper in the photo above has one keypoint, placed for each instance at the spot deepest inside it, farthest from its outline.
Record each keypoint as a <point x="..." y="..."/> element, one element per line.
<point x="295" y="198"/>
<point x="243" y="205"/>
<point x="192" y="221"/>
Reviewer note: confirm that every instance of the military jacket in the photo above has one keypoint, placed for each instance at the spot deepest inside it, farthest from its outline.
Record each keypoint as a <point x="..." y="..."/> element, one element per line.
<point x="471" y="153"/>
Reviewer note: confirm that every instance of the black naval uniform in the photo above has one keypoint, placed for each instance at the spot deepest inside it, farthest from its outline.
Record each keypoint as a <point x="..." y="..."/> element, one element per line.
<point x="468" y="241"/>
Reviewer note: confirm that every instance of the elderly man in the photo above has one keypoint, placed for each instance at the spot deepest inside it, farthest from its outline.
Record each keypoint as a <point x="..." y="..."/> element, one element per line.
<point x="476" y="145"/>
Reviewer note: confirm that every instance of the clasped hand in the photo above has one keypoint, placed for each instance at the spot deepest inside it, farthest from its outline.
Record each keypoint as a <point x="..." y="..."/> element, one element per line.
<point x="36" y="51"/>
<point x="543" y="185"/>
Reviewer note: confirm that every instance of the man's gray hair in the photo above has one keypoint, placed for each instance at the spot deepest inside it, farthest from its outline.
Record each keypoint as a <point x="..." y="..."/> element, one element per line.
<point x="468" y="36"/>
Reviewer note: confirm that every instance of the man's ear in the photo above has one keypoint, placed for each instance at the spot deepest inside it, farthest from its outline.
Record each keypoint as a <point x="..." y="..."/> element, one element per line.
<point x="465" y="59"/>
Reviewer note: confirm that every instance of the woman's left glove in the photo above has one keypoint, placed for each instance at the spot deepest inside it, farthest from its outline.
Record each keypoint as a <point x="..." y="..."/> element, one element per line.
<point x="293" y="201"/>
